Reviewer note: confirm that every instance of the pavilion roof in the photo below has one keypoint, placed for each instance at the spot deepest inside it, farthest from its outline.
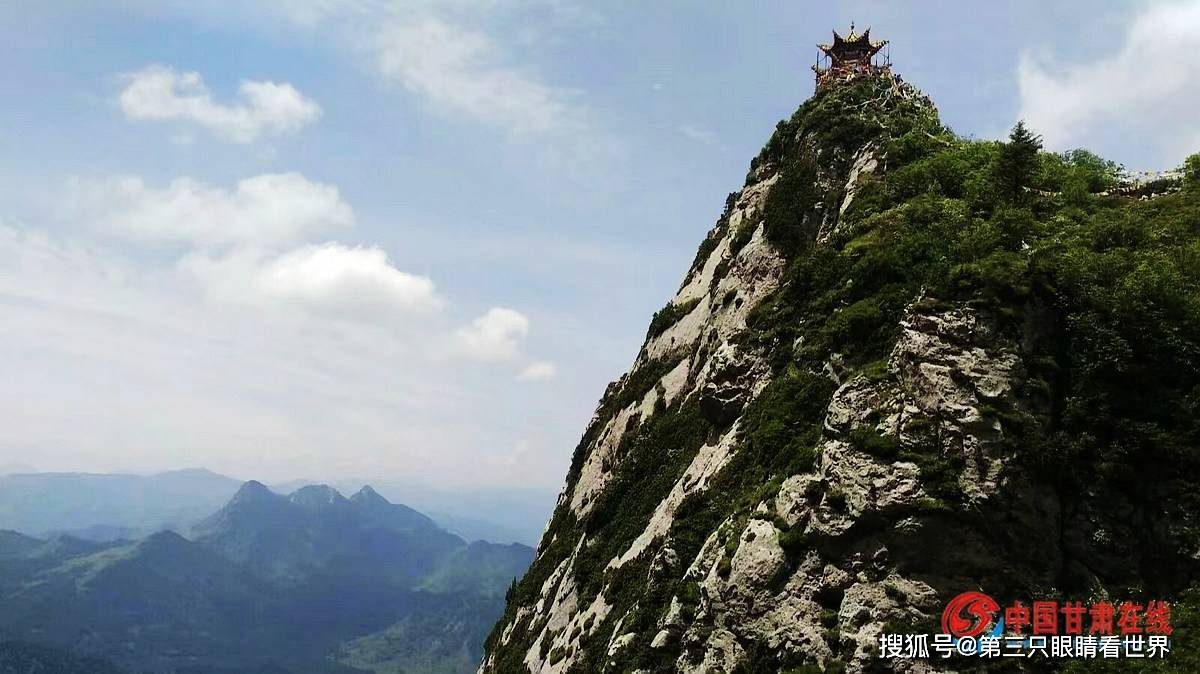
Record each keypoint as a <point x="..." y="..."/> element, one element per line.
<point x="852" y="43"/>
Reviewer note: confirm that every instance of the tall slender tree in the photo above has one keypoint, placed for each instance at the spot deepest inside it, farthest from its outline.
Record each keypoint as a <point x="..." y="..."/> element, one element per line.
<point x="1018" y="162"/>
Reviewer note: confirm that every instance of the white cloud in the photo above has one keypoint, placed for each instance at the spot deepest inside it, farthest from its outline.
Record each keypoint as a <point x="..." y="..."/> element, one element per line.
<point x="112" y="361"/>
<point x="160" y="93"/>
<point x="264" y="210"/>
<point x="241" y="243"/>
<point x="1147" y="87"/>
<point x="331" y="278"/>
<point x="202" y="322"/>
<point x="538" y="371"/>
<point x="496" y="335"/>
<point x="474" y="61"/>
<point x="446" y="52"/>
<point x="112" y="364"/>
<point x="459" y="69"/>
<point x="698" y="134"/>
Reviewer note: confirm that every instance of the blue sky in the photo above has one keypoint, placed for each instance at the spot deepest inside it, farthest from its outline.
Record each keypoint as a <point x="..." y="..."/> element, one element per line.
<point x="414" y="240"/>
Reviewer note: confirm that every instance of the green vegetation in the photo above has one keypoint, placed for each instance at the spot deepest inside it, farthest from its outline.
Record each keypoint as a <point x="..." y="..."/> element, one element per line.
<point x="1101" y="292"/>
<point x="436" y="641"/>
<point x="653" y="456"/>
<point x="740" y="238"/>
<point x="791" y="213"/>
<point x="782" y="428"/>
<point x="1191" y="170"/>
<point x="1017" y="163"/>
<point x="312" y="582"/>
<point x="709" y="244"/>
<point x="1004" y="228"/>
<point x="1109" y="285"/>
<point x="669" y="315"/>
<point x="867" y="439"/>
<point x="1184" y="657"/>
<point x="631" y="388"/>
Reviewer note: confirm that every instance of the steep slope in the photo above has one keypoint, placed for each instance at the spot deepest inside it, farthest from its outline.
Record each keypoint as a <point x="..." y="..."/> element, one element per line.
<point x="903" y="365"/>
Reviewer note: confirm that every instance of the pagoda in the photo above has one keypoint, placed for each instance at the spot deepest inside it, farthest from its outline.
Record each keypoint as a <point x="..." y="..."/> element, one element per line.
<point x="850" y="57"/>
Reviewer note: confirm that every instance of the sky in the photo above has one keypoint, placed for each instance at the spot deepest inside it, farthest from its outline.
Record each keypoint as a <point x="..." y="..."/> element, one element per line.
<point x="339" y="239"/>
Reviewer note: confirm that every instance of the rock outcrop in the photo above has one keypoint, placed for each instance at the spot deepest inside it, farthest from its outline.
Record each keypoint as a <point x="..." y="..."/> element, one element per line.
<point x="823" y="446"/>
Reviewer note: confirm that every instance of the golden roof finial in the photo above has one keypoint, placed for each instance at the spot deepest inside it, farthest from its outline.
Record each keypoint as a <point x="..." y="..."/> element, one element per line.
<point x="852" y="36"/>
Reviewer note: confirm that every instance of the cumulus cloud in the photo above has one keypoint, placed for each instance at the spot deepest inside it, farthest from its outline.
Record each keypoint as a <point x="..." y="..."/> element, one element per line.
<point x="264" y="210"/>
<point x="112" y="364"/>
<point x="212" y="313"/>
<point x="1147" y="87"/>
<point x="538" y="371"/>
<point x="249" y="245"/>
<point x="494" y="336"/>
<point x="161" y="93"/>
<point x="329" y="278"/>
<point x="457" y="69"/>
<point x="471" y="61"/>
<point x="97" y="335"/>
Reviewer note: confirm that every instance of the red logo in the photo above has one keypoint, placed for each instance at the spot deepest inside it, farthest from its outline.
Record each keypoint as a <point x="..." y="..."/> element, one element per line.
<point x="969" y="614"/>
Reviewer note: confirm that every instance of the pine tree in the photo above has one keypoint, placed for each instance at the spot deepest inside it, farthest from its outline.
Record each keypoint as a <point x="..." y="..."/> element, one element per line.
<point x="1018" y="162"/>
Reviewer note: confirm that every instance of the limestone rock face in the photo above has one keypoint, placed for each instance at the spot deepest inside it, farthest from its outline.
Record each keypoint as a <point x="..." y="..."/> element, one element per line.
<point x="741" y="586"/>
<point x="771" y="485"/>
<point x="703" y="364"/>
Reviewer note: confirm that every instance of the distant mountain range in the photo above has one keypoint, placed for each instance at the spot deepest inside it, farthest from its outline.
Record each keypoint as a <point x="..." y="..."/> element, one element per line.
<point x="110" y="507"/>
<point x="491" y="513"/>
<point x="311" y="582"/>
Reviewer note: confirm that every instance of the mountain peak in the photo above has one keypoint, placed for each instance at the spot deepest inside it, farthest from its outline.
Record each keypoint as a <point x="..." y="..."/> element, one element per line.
<point x="164" y="535"/>
<point x="251" y="491"/>
<point x="367" y="496"/>
<point x="316" y="496"/>
<point x="164" y="540"/>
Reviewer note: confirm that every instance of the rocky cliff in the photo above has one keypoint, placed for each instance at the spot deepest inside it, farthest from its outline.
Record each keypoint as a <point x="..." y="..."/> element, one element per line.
<point x="887" y="378"/>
